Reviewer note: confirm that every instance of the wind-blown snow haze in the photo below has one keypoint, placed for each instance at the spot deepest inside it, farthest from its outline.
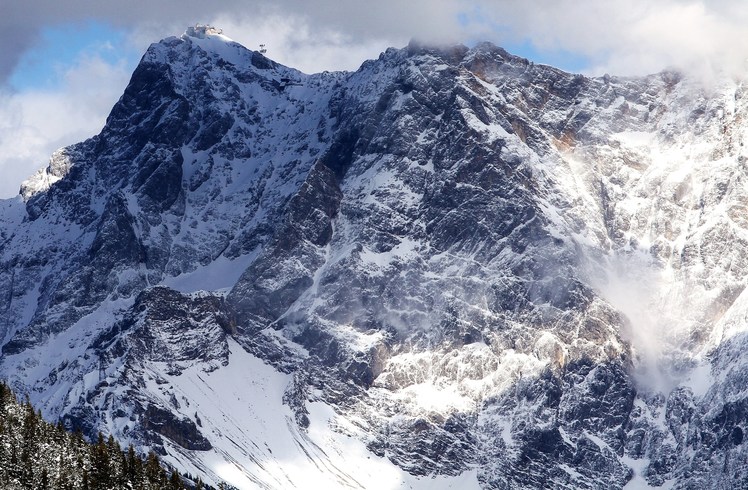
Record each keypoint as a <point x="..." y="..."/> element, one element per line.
<point x="448" y="268"/>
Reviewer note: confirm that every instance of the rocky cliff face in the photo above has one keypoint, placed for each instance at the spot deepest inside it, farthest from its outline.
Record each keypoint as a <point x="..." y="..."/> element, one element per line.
<point x="451" y="267"/>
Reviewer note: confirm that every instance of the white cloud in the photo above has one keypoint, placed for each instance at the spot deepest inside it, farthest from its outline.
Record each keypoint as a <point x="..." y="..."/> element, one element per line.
<point x="291" y="40"/>
<point x="624" y="38"/>
<point x="357" y="22"/>
<point x="637" y="36"/>
<point x="631" y="38"/>
<point x="34" y="123"/>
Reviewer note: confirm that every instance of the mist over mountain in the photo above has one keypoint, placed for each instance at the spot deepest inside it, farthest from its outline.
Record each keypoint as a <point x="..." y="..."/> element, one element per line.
<point x="452" y="268"/>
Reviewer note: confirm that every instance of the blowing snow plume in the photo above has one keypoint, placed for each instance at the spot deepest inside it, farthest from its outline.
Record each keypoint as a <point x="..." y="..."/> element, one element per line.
<point x="657" y="317"/>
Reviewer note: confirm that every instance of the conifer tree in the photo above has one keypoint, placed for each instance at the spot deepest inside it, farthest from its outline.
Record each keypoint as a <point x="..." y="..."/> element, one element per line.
<point x="100" y="471"/>
<point x="131" y="468"/>
<point x="37" y="455"/>
<point x="44" y="480"/>
<point x="14" y="469"/>
<point x="175" y="482"/>
<point x="152" y="468"/>
<point x="3" y="396"/>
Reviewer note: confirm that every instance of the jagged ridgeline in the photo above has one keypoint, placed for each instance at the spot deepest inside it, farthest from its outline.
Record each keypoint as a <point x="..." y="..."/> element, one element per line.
<point x="38" y="455"/>
<point x="451" y="268"/>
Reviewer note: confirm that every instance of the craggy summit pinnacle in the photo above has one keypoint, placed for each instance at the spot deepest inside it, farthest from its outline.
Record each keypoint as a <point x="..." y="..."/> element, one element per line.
<point x="451" y="266"/>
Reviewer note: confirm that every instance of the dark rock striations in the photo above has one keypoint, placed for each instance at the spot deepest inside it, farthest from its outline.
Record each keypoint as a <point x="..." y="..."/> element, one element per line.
<point x="482" y="266"/>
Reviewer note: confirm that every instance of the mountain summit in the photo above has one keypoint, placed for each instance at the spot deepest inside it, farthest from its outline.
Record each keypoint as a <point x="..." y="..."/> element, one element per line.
<point x="450" y="267"/>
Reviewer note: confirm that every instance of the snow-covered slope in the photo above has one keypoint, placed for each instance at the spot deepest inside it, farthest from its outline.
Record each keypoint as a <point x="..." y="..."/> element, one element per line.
<point x="450" y="268"/>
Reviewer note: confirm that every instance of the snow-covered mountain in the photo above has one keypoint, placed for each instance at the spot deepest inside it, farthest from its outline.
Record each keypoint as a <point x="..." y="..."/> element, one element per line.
<point x="452" y="268"/>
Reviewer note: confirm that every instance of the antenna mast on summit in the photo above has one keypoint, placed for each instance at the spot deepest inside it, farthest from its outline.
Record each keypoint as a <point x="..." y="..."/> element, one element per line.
<point x="263" y="49"/>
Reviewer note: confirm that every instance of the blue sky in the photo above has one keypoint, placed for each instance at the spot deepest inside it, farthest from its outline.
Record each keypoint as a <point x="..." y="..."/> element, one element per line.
<point x="64" y="64"/>
<point x="60" y="46"/>
<point x="61" y="86"/>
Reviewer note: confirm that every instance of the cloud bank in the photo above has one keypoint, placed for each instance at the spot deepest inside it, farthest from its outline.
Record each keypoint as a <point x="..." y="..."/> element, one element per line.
<point x="34" y="123"/>
<point x="623" y="38"/>
<point x="634" y="37"/>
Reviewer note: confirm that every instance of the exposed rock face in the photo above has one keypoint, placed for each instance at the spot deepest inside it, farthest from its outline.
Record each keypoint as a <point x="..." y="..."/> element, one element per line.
<point x="485" y="267"/>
